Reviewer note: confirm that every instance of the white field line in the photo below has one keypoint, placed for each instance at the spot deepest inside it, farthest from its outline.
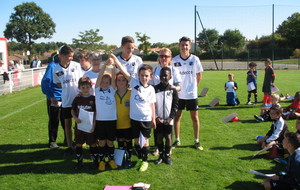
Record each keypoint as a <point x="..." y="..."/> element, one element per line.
<point x="19" y="110"/>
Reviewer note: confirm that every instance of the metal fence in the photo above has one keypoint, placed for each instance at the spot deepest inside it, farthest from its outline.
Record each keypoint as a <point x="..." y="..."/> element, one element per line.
<point x="21" y="80"/>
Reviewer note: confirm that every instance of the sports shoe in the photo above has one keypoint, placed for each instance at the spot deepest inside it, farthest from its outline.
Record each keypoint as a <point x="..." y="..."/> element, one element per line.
<point x="127" y="164"/>
<point x="112" y="164"/>
<point x="144" y="166"/>
<point x="168" y="160"/>
<point x="102" y="166"/>
<point x="79" y="166"/>
<point x="176" y="143"/>
<point x="249" y="103"/>
<point x="159" y="160"/>
<point x="258" y="118"/>
<point x="198" y="146"/>
<point x="138" y="164"/>
<point x="155" y="152"/>
<point x="53" y="145"/>
<point x="69" y="151"/>
<point x="281" y="161"/>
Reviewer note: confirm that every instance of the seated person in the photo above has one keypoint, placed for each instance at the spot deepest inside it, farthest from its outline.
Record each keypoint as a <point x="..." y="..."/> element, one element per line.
<point x="291" y="180"/>
<point x="265" y="111"/>
<point x="293" y="110"/>
<point x="275" y="135"/>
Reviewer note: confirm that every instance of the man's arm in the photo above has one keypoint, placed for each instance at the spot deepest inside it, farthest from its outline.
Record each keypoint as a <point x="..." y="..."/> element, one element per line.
<point x="199" y="78"/>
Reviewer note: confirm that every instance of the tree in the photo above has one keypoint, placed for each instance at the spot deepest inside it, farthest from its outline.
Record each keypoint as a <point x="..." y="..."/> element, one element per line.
<point x="213" y="37"/>
<point x="89" y="40"/>
<point x="290" y="29"/>
<point x="233" y="39"/>
<point x="145" y="45"/>
<point x="28" y="23"/>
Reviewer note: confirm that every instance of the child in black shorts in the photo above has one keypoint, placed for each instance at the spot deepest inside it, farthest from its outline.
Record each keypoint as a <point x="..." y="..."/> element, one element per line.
<point x="86" y="102"/>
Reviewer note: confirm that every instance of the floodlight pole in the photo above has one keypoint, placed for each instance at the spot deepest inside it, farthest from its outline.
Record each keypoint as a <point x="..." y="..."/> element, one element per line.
<point x="212" y="53"/>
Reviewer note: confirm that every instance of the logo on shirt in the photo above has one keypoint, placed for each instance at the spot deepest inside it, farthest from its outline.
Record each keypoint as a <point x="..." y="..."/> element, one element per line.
<point x="139" y="98"/>
<point x="127" y="103"/>
<point x="191" y="63"/>
<point x="60" y="73"/>
<point x="177" y="64"/>
<point x="73" y="69"/>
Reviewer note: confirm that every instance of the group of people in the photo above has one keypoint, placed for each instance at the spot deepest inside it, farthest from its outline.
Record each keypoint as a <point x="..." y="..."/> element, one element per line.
<point x="251" y="81"/>
<point x="127" y="99"/>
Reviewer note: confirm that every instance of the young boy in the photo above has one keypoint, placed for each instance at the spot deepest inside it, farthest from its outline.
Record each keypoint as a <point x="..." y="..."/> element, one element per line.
<point x="268" y="81"/>
<point x="95" y="60"/>
<point x="276" y="133"/>
<point x="66" y="75"/>
<point x="86" y="102"/>
<point x="265" y="111"/>
<point x="291" y="180"/>
<point x="252" y="78"/>
<point x="130" y="62"/>
<point x="106" y="115"/>
<point x="190" y="69"/>
<point x="231" y="88"/>
<point x="166" y="107"/>
<point x="142" y="110"/>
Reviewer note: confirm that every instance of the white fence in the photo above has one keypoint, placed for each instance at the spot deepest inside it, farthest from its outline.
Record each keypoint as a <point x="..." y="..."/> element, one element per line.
<point x="21" y="80"/>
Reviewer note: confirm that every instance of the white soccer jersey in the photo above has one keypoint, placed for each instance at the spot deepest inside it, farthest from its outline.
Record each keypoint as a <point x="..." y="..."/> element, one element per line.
<point x="188" y="68"/>
<point x="140" y="100"/>
<point x="175" y="80"/>
<point x="68" y="77"/>
<point x="85" y="71"/>
<point x="105" y="104"/>
<point x="93" y="76"/>
<point x="132" y="65"/>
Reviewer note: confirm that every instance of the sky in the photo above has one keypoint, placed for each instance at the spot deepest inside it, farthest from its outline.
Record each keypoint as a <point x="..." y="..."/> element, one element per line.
<point x="162" y="20"/>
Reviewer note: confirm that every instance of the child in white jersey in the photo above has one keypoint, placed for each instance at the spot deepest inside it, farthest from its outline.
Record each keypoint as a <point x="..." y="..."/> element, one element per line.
<point x="231" y="88"/>
<point x="66" y="75"/>
<point x="142" y="110"/>
<point x="106" y="116"/>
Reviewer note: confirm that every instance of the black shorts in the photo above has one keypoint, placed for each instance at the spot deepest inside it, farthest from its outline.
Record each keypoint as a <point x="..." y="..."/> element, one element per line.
<point x="279" y="185"/>
<point x="82" y="137"/>
<point x="141" y="126"/>
<point x="124" y="133"/>
<point x="163" y="129"/>
<point x="66" y="112"/>
<point x="106" y="130"/>
<point x="189" y="105"/>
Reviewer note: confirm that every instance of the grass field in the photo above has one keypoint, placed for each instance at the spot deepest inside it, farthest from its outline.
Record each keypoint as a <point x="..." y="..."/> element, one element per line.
<point x="27" y="163"/>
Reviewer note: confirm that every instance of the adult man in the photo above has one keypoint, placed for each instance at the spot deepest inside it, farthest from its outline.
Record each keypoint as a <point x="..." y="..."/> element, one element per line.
<point x="190" y="69"/>
<point x="53" y="93"/>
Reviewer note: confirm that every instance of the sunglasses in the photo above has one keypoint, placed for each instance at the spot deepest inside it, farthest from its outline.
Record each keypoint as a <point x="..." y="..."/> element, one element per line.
<point x="166" y="56"/>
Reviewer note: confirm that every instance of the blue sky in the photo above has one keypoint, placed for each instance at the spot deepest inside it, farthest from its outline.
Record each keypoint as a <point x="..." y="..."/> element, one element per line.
<point x="162" y="20"/>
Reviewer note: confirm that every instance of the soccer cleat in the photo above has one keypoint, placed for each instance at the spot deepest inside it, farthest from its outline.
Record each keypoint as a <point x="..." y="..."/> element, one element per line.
<point x="127" y="164"/>
<point x="102" y="166"/>
<point x="53" y="145"/>
<point x="198" y="146"/>
<point x="258" y="118"/>
<point x="249" y="103"/>
<point x="112" y="164"/>
<point x="144" y="166"/>
<point x="138" y="164"/>
<point x="155" y="152"/>
<point x="159" y="160"/>
<point x="168" y="160"/>
<point x="176" y="143"/>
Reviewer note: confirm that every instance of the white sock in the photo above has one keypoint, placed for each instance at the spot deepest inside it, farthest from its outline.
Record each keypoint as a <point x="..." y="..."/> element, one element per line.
<point x="196" y="140"/>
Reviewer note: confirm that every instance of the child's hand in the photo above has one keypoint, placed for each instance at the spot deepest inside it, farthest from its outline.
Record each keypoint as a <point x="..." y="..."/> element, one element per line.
<point x="159" y="120"/>
<point x="167" y="121"/>
<point x="77" y="120"/>
<point x="112" y="56"/>
<point x="109" y="62"/>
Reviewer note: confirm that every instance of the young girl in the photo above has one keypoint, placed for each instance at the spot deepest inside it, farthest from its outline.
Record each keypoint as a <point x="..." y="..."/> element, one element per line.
<point x="123" y="132"/>
<point x="106" y="116"/>
<point x="293" y="110"/>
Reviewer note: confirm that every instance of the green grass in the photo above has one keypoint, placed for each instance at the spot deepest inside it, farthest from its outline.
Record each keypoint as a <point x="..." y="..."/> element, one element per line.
<point x="26" y="162"/>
